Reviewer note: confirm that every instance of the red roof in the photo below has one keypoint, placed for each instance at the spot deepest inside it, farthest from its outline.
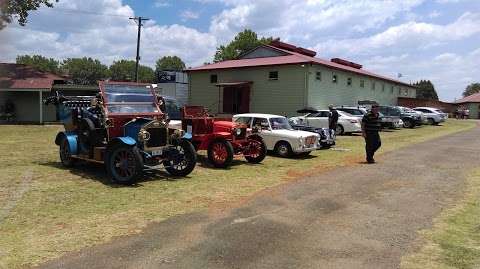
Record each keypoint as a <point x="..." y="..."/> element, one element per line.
<point x="292" y="58"/>
<point x="19" y="76"/>
<point x="474" y="98"/>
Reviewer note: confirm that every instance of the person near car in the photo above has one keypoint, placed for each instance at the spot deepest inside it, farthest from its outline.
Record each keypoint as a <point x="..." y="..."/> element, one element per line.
<point x="371" y="125"/>
<point x="332" y="119"/>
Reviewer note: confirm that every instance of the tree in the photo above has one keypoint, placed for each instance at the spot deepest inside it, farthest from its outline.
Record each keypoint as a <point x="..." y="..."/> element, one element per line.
<point x="243" y="42"/>
<point x="19" y="9"/>
<point x="471" y="89"/>
<point x="170" y="63"/>
<point x="85" y="71"/>
<point x="426" y="90"/>
<point x="40" y="63"/>
<point x="124" y="70"/>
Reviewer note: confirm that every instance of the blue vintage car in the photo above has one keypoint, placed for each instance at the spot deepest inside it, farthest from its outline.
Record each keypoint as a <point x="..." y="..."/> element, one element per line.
<point x="124" y="128"/>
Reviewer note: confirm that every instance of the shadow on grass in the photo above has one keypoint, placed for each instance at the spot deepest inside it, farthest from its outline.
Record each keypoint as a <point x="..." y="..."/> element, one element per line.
<point x="96" y="172"/>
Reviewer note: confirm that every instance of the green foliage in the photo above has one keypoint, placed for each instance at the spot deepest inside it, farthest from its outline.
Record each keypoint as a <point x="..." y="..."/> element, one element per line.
<point x="40" y="63"/>
<point x="170" y="63"/>
<point x="243" y="42"/>
<point x="124" y="70"/>
<point x="426" y="90"/>
<point x="471" y="89"/>
<point x="19" y="9"/>
<point x="85" y="71"/>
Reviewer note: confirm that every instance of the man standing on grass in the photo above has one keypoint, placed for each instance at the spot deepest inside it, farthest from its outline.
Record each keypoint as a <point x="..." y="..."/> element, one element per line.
<point x="371" y="125"/>
<point x="332" y="120"/>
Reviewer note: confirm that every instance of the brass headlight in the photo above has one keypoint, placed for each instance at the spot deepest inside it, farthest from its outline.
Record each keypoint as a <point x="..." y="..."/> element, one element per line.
<point x="143" y="135"/>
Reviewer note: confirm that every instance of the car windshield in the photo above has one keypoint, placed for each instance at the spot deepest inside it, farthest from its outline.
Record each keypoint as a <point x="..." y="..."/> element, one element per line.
<point x="129" y="99"/>
<point x="173" y="109"/>
<point x="280" y="123"/>
<point x="356" y="112"/>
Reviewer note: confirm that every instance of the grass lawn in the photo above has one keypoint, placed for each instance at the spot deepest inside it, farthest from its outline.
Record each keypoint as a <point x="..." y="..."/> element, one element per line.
<point x="454" y="240"/>
<point x="46" y="210"/>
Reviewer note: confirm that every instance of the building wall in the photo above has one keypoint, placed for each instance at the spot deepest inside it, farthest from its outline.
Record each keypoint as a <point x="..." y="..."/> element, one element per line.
<point x="474" y="110"/>
<point x="324" y="91"/>
<point x="27" y="106"/>
<point x="178" y="91"/>
<point x="283" y="96"/>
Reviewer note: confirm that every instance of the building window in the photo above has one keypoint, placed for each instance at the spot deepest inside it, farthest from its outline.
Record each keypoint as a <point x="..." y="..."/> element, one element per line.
<point x="349" y="81"/>
<point x="383" y="87"/>
<point x="273" y="75"/>
<point x="373" y="86"/>
<point x="391" y="89"/>
<point x="362" y="83"/>
<point x="213" y="78"/>
<point x="319" y="75"/>
<point x="334" y="78"/>
<point x="399" y="91"/>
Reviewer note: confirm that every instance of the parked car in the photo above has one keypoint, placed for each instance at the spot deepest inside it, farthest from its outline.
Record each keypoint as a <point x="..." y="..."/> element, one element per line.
<point x="358" y="112"/>
<point x="410" y="120"/>
<point x="222" y="139"/>
<point x="407" y="110"/>
<point x="279" y="136"/>
<point x="327" y="138"/>
<point x="347" y="123"/>
<point x="122" y="128"/>
<point x="433" y="115"/>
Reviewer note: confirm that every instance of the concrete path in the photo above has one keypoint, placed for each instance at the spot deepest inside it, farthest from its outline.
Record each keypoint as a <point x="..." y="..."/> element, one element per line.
<point x="365" y="216"/>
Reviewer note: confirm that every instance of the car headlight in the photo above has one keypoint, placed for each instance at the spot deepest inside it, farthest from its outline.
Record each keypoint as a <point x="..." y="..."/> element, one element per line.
<point x="300" y="141"/>
<point x="143" y="135"/>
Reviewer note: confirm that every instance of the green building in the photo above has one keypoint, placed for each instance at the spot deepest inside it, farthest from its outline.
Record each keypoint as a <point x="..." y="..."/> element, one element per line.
<point x="281" y="78"/>
<point x="471" y="103"/>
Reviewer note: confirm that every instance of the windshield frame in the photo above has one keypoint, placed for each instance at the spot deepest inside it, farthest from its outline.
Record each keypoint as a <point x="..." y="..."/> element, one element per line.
<point x="103" y="86"/>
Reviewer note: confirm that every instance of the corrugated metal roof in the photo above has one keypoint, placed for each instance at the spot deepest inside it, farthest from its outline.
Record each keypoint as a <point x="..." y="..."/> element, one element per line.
<point x="19" y="76"/>
<point x="474" y="98"/>
<point x="292" y="58"/>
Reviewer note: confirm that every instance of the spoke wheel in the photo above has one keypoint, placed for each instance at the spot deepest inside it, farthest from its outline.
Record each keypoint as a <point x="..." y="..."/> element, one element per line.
<point x="256" y="150"/>
<point x="65" y="154"/>
<point x="220" y="153"/>
<point x="124" y="164"/>
<point x="183" y="159"/>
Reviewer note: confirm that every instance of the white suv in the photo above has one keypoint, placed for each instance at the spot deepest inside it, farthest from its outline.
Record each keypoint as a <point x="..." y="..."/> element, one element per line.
<point x="434" y="115"/>
<point x="279" y="136"/>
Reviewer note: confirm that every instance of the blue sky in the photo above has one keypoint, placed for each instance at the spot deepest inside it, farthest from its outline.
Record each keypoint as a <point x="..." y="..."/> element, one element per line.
<point x="422" y="39"/>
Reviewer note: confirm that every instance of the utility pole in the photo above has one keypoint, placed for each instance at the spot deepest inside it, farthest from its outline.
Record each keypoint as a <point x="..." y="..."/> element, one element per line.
<point x="139" y="21"/>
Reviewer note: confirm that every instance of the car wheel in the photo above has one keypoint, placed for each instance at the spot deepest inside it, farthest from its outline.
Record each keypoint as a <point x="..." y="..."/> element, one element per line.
<point x="220" y="153"/>
<point x="257" y="150"/>
<point x="408" y="124"/>
<point x="124" y="164"/>
<point x="431" y="121"/>
<point x="339" y="130"/>
<point x="283" y="149"/>
<point x="183" y="160"/>
<point x="65" y="154"/>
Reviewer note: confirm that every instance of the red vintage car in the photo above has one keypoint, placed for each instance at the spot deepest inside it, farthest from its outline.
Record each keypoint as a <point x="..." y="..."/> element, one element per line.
<point x="222" y="139"/>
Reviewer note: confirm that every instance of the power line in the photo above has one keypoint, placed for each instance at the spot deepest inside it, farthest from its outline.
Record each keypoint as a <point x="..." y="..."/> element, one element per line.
<point x="140" y="24"/>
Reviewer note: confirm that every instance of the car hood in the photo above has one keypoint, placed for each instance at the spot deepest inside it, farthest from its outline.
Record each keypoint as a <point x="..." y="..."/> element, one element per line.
<point x="294" y="133"/>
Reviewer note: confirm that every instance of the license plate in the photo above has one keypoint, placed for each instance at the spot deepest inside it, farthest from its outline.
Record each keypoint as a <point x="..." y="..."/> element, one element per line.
<point x="157" y="152"/>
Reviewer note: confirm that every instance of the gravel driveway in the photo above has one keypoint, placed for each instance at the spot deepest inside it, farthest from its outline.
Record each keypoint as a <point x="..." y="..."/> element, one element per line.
<point x="363" y="216"/>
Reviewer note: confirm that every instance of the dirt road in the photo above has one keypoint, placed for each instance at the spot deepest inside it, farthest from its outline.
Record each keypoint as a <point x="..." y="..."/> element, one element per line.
<point x="364" y="216"/>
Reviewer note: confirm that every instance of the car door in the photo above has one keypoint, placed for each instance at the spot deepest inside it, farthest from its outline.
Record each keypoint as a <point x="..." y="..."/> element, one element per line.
<point x="266" y="132"/>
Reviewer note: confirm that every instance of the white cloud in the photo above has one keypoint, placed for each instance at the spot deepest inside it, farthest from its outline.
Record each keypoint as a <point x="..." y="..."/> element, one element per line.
<point x="106" y="34"/>
<point x="410" y="35"/>
<point x="301" y="21"/>
<point x="162" y="3"/>
<point x="189" y="15"/>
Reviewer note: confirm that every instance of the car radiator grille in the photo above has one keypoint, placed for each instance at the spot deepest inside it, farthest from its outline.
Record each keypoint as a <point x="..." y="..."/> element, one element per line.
<point x="310" y="140"/>
<point x="158" y="137"/>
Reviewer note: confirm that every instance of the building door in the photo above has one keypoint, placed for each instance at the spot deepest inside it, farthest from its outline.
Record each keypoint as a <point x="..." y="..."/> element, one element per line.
<point x="236" y="99"/>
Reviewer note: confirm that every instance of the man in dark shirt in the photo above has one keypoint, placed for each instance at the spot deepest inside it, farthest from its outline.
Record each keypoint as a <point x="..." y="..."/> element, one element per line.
<point x="332" y="119"/>
<point x="371" y="125"/>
